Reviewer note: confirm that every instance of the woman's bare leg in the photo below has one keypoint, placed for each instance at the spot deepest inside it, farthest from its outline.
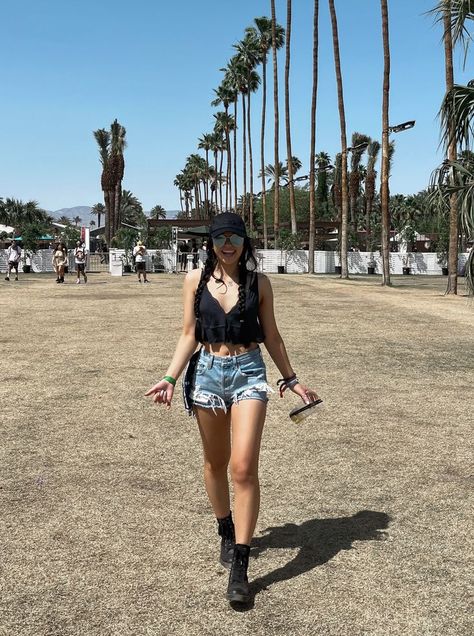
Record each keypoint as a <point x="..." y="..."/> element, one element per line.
<point x="215" y="436"/>
<point x="248" y="418"/>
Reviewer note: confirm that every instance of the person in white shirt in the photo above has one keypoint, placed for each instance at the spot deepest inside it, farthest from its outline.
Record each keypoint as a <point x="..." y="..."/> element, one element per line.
<point x="139" y="254"/>
<point x="80" y="262"/>
<point x="13" y="259"/>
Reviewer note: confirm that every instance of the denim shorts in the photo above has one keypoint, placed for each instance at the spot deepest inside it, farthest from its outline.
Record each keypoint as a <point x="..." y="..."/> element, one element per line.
<point x="220" y="381"/>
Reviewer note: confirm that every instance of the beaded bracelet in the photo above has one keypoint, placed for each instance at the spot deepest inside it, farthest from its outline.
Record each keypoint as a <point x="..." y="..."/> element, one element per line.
<point x="170" y="379"/>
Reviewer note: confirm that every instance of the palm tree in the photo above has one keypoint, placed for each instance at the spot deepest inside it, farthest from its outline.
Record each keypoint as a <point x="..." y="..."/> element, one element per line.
<point x="77" y="220"/>
<point x="384" y="177"/>
<point x="322" y="163"/>
<point x="111" y="146"/>
<point x="15" y="213"/>
<point x="236" y="79"/>
<point x="158" y="212"/>
<point x="265" y="37"/>
<point x="231" y="83"/>
<point x="102" y="138"/>
<point x="372" y="154"/>
<point x="457" y="178"/>
<point x="249" y="55"/>
<point x="64" y="220"/>
<point x="225" y="95"/>
<point x="131" y="210"/>
<point x="272" y="173"/>
<point x="291" y="185"/>
<point x="224" y="124"/>
<point x="276" y="204"/>
<point x="342" y="119"/>
<point x="452" y="286"/>
<point x="312" y="149"/>
<point x="98" y="210"/>
<point x="216" y="140"/>
<point x="205" y="143"/>
<point x="359" y="144"/>
<point x="117" y="146"/>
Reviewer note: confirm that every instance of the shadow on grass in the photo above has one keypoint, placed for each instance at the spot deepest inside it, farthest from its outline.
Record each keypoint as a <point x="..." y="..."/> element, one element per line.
<point x="318" y="540"/>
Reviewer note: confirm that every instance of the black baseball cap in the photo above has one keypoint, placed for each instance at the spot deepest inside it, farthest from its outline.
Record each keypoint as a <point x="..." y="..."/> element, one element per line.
<point x="227" y="222"/>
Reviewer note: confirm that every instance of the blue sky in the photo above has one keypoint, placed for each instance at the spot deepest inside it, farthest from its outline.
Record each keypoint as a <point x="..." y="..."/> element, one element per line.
<point x="72" y="67"/>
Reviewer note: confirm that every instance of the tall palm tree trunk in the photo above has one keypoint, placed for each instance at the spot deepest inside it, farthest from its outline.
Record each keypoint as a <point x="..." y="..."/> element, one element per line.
<point x="111" y="214"/>
<point x="206" y="184"/>
<point x="244" y="156"/>
<point x="312" y="151"/>
<point x="235" y="153"/>
<point x="276" y="159"/>
<point x="452" y="285"/>
<point x="220" y="178"/>
<point x="342" y="119"/>
<point x="118" y="197"/>
<point x="217" y="182"/>
<point x="384" y="187"/>
<point x="229" y="170"/>
<point x="262" y="151"/>
<point x="250" y="161"/>
<point x="291" y="185"/>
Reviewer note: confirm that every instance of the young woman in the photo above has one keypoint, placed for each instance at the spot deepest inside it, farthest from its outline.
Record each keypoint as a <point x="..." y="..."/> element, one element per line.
<point x="228" y="308"/>
<point x="59" y="261"/>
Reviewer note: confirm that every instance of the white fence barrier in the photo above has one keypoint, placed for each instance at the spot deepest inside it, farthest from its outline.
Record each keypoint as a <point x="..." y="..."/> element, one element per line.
<point x="293" y="261"/>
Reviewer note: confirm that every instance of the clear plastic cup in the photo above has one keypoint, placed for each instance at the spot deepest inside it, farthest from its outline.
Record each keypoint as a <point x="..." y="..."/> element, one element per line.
<point x="300" y="413"/>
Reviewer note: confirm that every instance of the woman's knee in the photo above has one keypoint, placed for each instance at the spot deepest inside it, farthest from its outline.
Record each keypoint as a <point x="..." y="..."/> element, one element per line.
<point x="216" y="466"/>
<point x="243" y="473"/>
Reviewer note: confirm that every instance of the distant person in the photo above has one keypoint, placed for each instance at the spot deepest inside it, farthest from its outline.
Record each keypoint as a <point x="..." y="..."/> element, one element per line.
<point x="194" y="251"/>
<point x="183" y="255"/>
<point x="203" y="254"/>
<point x="59" y="261"/>
<point x="139" y="254"/>
<point x="80" y="262"/>
<point x="13" y="259"/>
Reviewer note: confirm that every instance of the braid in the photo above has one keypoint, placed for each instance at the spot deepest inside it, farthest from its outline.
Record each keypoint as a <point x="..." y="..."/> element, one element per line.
<point x="242" y="290"/>
<point x="205" y="276"/>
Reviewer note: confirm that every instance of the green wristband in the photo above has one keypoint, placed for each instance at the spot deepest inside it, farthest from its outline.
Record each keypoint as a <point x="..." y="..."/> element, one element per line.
<point x="169" y="379"/>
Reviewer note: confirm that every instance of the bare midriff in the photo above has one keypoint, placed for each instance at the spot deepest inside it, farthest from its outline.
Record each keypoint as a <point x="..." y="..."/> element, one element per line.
<point x="227" y="348"/>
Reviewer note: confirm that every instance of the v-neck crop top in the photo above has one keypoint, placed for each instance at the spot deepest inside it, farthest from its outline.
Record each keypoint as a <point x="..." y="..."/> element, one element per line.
<point x="213" y="324"/>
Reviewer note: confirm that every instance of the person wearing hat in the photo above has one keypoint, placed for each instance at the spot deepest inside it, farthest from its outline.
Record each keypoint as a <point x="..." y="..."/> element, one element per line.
<point x="228" y="308"/>
<point x="139" y="253"/>
<point x="13" y="259"/>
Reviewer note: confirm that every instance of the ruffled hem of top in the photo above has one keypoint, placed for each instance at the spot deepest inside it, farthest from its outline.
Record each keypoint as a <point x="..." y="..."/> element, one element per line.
<point x="234" y="334"/>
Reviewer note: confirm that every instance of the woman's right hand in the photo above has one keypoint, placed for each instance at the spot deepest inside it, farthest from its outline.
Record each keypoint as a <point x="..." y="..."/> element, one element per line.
<point x="162" y="393"/>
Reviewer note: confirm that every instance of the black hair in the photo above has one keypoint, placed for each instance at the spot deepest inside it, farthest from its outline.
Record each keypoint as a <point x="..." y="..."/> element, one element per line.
<point x="247" y="264"/>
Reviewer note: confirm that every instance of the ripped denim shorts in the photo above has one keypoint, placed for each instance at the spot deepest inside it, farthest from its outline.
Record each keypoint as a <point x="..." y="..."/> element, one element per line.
<point x="220" y="381"/>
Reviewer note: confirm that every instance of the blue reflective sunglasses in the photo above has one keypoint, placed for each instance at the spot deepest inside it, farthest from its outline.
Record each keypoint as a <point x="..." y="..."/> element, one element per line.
<point x="234" y="239"/>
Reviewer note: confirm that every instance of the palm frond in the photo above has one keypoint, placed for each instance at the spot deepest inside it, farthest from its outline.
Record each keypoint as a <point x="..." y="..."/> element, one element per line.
<point x="457" y="113"/>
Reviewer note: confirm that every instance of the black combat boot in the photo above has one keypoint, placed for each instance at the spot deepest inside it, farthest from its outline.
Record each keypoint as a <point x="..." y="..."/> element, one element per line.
<point x="238" y="588"/>
<point x="227" y="534"/>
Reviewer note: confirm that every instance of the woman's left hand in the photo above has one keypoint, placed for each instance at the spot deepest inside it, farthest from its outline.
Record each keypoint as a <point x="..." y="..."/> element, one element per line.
<point x="306" y="394"/>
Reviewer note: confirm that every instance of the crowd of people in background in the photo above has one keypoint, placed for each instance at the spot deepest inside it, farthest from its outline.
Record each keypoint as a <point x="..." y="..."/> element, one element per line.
<point x="60" y="259"/>
<point x="198" y="254"/>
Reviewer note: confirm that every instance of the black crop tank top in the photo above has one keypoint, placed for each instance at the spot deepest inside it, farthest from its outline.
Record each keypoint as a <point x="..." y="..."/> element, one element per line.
<point x="214" y="325"/>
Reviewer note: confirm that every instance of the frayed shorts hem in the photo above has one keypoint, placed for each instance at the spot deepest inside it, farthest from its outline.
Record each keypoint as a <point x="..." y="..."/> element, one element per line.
<point x="212" y="401"/>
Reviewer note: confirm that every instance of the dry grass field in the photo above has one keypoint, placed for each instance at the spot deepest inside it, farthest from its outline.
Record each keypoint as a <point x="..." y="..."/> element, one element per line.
<point x="365" y="526"/>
